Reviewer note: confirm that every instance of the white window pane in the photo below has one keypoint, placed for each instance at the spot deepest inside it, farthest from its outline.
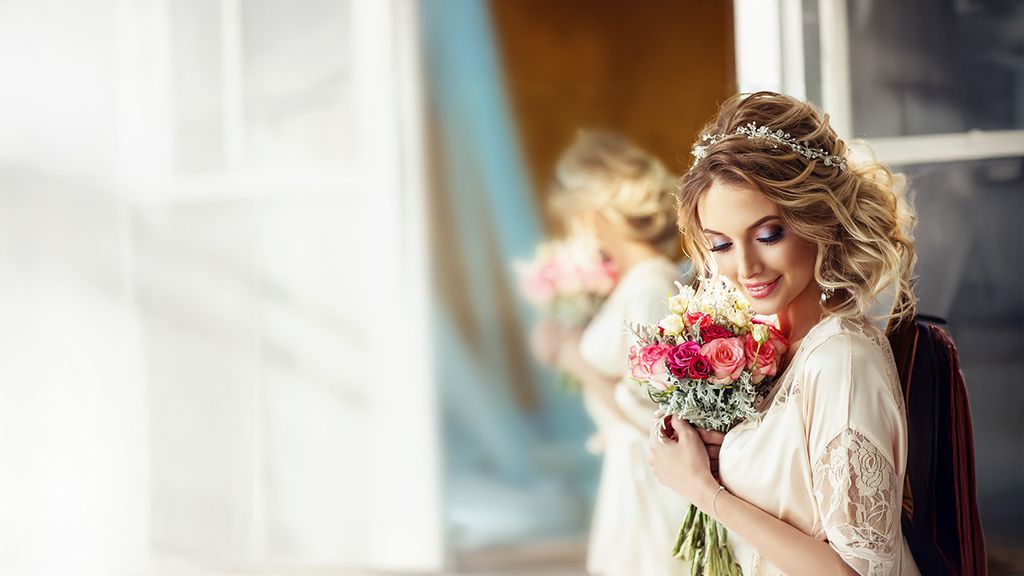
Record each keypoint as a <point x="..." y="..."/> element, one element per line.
<point x="297" y="82"/>
<point x="256" y="339"/>
<point x="196" y="85"/>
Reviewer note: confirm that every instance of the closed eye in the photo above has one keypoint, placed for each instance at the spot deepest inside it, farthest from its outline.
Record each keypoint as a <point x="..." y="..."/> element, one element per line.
<point x="772" y="239"/>
<point x="721" y="247"/>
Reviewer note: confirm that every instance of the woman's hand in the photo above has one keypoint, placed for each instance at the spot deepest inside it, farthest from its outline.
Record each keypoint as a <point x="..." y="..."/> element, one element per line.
<point x="713" y="444"/>
<point x="682" y="465"/>
<point x="568" y="358"/>
<point x="546" y="340"/>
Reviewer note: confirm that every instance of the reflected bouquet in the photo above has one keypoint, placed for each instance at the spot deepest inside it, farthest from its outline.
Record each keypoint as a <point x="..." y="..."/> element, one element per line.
<point x="567" y="279"/>
<point x="709" y="362"/>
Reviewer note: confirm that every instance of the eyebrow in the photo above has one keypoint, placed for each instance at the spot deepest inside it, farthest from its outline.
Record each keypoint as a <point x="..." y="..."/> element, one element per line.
<point x="768" y="218"/>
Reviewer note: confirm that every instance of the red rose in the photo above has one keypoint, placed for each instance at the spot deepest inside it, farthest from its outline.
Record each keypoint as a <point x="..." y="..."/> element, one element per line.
<point x="700" y="368"/>
<point x="698" y="319"/>
<point x="680" y="357"/>
<point x="714" y="332"/>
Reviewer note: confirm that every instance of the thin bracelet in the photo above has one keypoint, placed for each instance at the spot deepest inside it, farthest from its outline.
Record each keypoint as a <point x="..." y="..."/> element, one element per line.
<point x="714" y="501"/>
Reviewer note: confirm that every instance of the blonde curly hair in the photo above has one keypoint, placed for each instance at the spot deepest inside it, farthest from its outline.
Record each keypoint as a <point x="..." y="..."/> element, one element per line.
<point x="605" y="172"/>
<point x="859" y="218"/>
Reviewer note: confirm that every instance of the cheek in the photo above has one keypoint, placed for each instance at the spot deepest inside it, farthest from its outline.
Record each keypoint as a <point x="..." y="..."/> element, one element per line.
<point x="726" y="264"/>
<point x="797" y="259"/>
<point x="603" y="229"/>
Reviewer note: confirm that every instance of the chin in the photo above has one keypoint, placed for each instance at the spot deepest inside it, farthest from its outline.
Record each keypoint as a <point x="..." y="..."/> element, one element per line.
<point x="764" y="308"/>
<point x="767" y="306"/>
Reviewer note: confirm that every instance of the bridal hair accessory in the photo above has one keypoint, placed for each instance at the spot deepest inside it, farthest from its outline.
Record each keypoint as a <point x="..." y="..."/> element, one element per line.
<point x="777" y="138"/>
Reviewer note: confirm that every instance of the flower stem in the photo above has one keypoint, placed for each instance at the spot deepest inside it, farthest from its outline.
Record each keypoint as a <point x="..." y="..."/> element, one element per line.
<point x="703" y="542"/>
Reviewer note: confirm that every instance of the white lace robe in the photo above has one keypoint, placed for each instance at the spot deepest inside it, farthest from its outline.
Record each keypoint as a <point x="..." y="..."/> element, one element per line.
<point x="829" y="456"/>
<point x="635" y="517"/>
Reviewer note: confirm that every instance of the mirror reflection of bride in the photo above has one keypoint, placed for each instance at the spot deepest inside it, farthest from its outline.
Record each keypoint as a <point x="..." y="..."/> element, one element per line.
<point x="609" y="187"/>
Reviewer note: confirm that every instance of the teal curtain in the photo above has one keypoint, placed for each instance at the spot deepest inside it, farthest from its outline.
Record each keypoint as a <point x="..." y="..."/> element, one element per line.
<point x="515" y="468"/>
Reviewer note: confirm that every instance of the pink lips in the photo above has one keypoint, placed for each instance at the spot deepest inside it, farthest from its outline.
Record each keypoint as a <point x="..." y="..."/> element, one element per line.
<point x="762" y="289"/>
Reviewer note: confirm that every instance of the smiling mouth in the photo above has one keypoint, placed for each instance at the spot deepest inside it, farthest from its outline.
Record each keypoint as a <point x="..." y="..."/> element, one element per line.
<point x="762" y="289"/>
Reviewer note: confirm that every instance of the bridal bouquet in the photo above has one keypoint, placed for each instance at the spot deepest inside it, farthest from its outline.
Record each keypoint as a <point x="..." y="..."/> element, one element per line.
<point x="567" y="280"/>
<point x="709" y="362"/>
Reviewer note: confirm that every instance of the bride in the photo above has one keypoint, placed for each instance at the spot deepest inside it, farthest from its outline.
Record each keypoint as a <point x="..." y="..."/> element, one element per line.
<point x="815" y="486"/>
<point x="626" y="197"/>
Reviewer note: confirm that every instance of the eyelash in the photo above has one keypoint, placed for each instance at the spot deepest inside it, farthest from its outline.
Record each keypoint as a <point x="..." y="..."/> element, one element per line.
<point x="768" y="241"/>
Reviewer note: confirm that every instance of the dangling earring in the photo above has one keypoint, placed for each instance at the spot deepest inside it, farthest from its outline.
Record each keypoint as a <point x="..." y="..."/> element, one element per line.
<point x="826" y="293"/>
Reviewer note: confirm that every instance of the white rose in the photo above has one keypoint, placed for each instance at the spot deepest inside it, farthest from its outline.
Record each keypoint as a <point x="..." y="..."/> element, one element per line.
<point x="737" y="318"/>
<point x="760" y="333"/>
<point x="677" y="304"/>
<point x="672" y="324"/>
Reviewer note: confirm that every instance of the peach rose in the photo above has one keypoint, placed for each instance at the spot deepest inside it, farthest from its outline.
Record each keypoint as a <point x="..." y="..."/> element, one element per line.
<point x="727" y="358"/>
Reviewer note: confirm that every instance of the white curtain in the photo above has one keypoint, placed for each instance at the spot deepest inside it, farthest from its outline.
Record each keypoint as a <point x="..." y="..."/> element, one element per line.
<point x="212" y="226"/>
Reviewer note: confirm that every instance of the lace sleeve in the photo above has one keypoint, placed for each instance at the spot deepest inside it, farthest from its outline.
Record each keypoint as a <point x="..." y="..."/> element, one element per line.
<point x="857" y="492"/>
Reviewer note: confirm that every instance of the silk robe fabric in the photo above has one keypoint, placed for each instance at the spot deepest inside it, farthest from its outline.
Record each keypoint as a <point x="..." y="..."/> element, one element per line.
<point x="829" y="454"/>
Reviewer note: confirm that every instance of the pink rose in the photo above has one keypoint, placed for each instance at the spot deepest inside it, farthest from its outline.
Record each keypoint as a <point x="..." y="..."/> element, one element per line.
<point x="679" y="358"/>
<point x="777" y="340"/>
<point x="660" y="379"/>
<point x="714" y="332"/>
<point x="598" y="278"/>
<point x="727" y="359"/>
<point x="700" y="368"/>
<point x="762" y="359"/>
<point x="537" y="283"/>
<point x="698" y="319"/>
<point x="648" y="363"/>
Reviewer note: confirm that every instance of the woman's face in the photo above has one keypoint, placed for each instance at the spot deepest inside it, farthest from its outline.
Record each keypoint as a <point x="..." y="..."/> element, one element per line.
<point x="752" y="248"/>
<point x="610" y="237"/>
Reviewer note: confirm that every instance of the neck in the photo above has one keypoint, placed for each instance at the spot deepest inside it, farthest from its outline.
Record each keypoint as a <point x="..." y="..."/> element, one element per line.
<point x="797" y="319"/>
<point x="632" y="253"/>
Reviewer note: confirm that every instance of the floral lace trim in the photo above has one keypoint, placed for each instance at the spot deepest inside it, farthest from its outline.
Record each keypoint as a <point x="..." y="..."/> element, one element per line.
<point x="858" y="497"/>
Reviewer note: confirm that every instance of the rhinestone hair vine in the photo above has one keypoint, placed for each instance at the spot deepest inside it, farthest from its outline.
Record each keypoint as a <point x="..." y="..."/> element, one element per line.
<point x="777" y="138"/>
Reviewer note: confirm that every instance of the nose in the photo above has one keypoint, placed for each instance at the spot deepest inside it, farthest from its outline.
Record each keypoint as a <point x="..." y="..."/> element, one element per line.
<point x="748" y="264"/>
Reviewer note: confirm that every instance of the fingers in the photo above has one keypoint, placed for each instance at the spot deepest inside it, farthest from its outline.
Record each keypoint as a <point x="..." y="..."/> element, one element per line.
<point x="711" y="436"/>
<point x="668" y="432"/>
<point x="681" y="426"/>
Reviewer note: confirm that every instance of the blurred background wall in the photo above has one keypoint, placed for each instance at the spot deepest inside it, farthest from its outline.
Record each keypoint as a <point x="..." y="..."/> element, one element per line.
<point x="255" y="300"/>
<point x="650" y="70"/>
